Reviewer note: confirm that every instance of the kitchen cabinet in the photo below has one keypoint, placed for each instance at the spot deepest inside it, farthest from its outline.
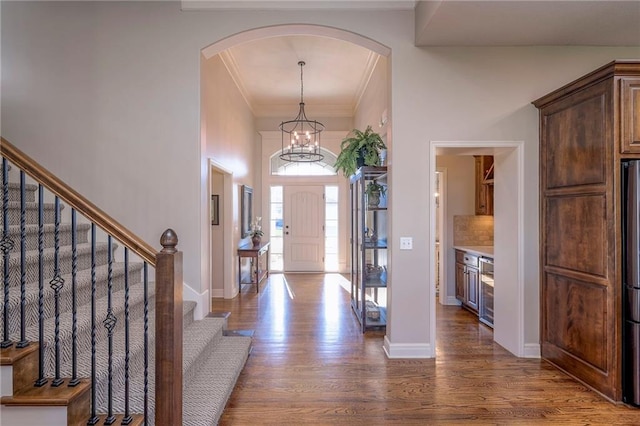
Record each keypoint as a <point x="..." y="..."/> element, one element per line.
<point x="467" y="280"/>
<point x="369" y="278"/>
<point x="586" y="128"/>
<point x="484" y="184"/>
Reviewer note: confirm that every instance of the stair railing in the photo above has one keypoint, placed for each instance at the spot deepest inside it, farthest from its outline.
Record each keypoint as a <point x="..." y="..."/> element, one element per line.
<point x="168" y="294"/>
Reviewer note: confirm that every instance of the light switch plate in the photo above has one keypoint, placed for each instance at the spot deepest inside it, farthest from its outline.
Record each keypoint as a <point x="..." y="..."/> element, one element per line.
<point x="406" y="243"/>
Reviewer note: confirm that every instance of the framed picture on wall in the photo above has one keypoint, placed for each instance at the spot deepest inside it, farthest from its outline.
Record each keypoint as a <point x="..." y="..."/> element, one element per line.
<point x="215" y="209"/>
<point x="247" y="210"/>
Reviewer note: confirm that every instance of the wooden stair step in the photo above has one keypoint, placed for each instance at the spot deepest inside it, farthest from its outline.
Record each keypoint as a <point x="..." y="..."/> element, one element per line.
<point x="76" y="399"/>
<point x="48" y="395"/>
<point x="24" y="362"/>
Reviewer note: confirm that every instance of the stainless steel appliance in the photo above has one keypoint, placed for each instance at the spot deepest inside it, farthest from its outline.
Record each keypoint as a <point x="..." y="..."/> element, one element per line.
<point x="631" y="281"/>
<point x="486" y="291"/>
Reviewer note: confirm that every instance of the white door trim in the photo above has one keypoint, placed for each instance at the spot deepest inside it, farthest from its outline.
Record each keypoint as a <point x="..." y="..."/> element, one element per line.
<point x="230" y="289"/>
<point x="512" y="338"/>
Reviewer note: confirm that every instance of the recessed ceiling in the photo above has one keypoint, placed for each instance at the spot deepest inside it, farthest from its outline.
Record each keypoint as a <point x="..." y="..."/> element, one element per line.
<point x="268" y="75"/>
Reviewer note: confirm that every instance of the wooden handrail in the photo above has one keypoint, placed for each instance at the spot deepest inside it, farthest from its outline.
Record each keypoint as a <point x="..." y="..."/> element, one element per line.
<point x="77" y="201"/>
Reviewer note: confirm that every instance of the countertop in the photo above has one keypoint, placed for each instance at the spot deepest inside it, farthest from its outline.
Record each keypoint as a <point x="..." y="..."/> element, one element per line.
<point x="486" y="251"/>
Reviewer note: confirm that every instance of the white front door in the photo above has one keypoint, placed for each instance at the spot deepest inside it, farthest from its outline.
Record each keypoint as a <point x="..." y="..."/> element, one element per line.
<point x="304" y="228"/>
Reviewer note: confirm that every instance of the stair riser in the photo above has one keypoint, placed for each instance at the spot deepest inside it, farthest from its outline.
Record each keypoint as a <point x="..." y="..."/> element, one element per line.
<point x="31" y="214"/>
<point x="64" y="260"/>
<point x="30" y="192"/>
<point x="83" y="296"/>
<point x="192" y="370"/>
<point x="82" y="236"/>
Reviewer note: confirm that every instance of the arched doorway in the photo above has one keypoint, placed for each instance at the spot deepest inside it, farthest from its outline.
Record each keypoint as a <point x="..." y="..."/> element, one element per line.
<point x="218" y="49"/>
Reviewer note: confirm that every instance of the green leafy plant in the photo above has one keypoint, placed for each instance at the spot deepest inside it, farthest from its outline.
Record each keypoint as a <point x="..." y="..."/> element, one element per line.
<point x="374" y="187"/>
<point x="359" y="144"/>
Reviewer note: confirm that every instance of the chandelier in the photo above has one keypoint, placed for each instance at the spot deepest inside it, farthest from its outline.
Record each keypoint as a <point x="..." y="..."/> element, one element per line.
<point x="301" y="136"/>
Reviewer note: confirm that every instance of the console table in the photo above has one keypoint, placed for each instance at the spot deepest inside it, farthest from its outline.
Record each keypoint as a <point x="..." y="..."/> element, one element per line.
<point x="255" y="253"/>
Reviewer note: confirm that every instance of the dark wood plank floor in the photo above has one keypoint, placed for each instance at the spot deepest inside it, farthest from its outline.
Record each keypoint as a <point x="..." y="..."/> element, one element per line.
<point x="311" y="365"/>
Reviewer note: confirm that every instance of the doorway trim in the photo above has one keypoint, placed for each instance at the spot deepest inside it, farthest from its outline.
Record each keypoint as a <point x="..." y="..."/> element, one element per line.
<point x="511" y="338"/>
<point x="230" y="288"/>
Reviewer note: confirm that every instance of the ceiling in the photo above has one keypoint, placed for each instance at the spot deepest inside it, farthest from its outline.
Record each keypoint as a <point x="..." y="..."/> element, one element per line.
<point x="336" y="72"/>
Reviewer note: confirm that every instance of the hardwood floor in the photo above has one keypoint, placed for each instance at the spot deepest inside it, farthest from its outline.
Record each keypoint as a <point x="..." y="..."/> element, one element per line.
<point x="311" y="365"/>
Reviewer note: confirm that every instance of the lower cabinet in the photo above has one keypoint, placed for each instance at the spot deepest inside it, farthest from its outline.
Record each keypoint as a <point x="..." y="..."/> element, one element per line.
<point x="467" y="280"/>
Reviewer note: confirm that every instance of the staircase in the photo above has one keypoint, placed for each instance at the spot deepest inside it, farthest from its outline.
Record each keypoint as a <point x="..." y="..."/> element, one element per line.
<point x="93" y="326"/>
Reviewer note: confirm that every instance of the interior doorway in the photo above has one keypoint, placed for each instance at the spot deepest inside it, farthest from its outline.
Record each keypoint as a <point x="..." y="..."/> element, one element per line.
<point x="221" y="250"/>
<point x="508" y="239"/>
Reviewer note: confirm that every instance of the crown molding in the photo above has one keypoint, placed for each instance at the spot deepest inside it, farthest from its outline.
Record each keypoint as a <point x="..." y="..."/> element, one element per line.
<point x="231" y="65"/>
<point x="194" y="5"/>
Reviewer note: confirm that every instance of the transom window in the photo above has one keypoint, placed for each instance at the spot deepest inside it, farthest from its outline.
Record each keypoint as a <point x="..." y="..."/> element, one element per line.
<point x="325" y="167"/>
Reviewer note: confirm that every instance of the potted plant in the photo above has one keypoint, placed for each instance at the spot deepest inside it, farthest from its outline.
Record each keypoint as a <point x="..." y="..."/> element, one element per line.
<point x="359" y="149"/>
<point x="374" y="191"/>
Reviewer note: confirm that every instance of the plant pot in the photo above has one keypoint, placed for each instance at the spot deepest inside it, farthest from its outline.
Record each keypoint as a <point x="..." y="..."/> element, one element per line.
<point x="256" y="240"/>
<point x="373" y="199"/>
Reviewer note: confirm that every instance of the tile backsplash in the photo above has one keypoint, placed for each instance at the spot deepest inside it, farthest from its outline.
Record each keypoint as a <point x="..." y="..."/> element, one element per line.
<point x="473" y="230"/>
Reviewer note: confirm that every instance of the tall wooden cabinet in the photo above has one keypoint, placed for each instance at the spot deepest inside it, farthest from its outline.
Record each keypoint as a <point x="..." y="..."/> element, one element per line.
<point x="586" y="128"/>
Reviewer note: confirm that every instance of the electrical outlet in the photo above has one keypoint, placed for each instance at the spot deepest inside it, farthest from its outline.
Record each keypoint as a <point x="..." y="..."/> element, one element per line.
<point x="406" y="243"/>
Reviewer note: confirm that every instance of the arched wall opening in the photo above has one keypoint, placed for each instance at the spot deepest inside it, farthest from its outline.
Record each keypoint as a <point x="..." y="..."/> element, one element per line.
<point x="217" y="48"/>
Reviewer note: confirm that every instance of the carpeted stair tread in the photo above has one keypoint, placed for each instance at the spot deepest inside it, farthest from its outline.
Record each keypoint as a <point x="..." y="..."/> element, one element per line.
<point x="32" y="232"/>
<point x="83" y="253"/>
<point x="29" y="191"/>
<point x="31" y="212"/>
<point x="206" y="395"/>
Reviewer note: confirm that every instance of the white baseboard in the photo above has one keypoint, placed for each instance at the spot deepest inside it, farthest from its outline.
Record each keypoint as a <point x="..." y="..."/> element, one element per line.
<point x="6" y="380"/>
<point x="217" y="293"/>
<point x="202" y="299"/>
<point x="452" y="301"/>
<point x="531" y="350"/>
<point x="408" y="350"/>
<point x="30" y="415"/>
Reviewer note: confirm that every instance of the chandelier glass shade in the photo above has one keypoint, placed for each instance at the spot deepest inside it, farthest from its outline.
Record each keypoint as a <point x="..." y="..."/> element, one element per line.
<point x="301" y="136"/>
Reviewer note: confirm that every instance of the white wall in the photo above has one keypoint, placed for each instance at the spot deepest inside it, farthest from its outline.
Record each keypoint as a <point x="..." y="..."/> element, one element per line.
<point x="107" y="96"/>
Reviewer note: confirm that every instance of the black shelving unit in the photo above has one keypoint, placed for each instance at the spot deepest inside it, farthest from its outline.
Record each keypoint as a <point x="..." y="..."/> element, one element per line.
<point x="369" y="250"/>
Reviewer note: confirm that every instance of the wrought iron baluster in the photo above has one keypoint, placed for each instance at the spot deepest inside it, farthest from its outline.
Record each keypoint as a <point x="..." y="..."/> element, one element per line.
<point x="41" y="379"/>
<point x="127" y="417"/>
<point x="94" y="418"/>
<point x="56" y="284"/>
<point x="146" y="342"/>
<point x="74" y="317"/>
<point x="23" y="343"/>
<point x="6" y="245"/>
<point x="110" y="323"/>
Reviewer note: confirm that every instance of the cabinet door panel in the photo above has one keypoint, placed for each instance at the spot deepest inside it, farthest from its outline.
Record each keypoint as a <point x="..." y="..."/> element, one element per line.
<point x="460" y="283"/>
<point x="630" y="115"/>
<point x="473" y="288"/>
<point x="576" y="132"/>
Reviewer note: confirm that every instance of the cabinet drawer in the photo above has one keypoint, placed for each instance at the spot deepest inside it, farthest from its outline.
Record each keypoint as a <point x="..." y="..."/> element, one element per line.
<point x="467" y="258"/>
<point x="630" y="116"/>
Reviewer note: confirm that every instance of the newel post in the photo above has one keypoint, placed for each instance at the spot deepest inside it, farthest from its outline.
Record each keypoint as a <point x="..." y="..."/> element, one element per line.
<point x="169" y="332"/>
